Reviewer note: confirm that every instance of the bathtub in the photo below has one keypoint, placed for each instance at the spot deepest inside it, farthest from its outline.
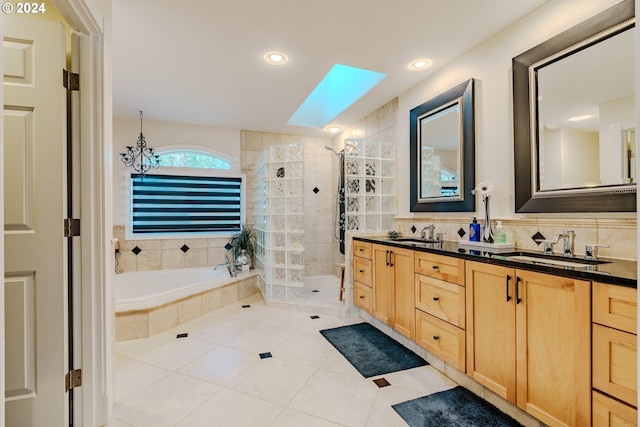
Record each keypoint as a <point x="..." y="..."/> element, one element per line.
<point x="150" y="302"/>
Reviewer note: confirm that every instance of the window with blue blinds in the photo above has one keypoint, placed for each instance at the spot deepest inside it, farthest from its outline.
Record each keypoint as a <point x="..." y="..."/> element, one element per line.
<point x="162" y="204"/>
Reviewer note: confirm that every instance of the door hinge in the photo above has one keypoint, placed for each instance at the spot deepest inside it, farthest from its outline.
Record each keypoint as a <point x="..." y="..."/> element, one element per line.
<point x="73" y="379"/>
<point x="70" y="81"/>
<point x="71" y="227"/>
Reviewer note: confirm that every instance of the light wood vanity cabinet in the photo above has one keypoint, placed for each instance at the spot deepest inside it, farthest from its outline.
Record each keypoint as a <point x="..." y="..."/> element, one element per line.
<point x="362" y="276"/>
<point x="615" y="371"/>
<point x="528" y="340"/>
<point x="527" y="336"/>
<point x="393" y="295"/>
<point x="440" y="309"/>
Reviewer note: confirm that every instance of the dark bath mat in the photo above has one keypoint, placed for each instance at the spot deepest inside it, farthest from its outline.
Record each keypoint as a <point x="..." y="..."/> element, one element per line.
<point x="370" y="351"/>
<point x="456" y="407"/>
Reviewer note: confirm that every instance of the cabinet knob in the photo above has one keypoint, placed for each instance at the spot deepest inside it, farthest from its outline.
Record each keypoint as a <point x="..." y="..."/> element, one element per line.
<point x="436" y="298"/>
<point x="361" y="296"/>
<point x="361" y="271"/>
<point x="435" y="337"/>
<point x="361" y="250"/>
<point x="435" y="267"/>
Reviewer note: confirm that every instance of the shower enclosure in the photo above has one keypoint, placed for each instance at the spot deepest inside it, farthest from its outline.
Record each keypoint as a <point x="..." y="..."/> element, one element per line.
<point x="293" y="203"/>
<point x="279" y="223"/>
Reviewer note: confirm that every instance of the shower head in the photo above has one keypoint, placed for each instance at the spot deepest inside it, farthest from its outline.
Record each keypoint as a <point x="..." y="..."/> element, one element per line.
<point x="330" y="148"/>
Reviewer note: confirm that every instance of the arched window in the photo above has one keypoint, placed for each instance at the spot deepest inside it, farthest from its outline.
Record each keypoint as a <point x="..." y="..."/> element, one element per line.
<point x="207" y="199"/>
<point x="192" y="159"/>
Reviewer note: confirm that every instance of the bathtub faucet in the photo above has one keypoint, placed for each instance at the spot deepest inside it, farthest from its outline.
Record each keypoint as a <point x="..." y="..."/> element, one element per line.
<point x="231" y="266"/>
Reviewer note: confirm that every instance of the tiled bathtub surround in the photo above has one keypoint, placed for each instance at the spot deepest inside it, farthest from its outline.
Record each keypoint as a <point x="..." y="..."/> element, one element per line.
<point x="168" y="253"/>
<point x="618" y="233"/>
<point x="145" y="323"/>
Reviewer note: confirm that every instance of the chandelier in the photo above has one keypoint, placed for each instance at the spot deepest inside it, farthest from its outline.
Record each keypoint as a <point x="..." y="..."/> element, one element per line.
<point x="141" y="158"/>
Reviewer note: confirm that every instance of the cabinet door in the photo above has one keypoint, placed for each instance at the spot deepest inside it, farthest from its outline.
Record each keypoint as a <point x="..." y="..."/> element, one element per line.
<point x="383" y="282"/>
<point x="553" y="346"/>
<point x="491" y="327"/>
<point x="404" y="295"/>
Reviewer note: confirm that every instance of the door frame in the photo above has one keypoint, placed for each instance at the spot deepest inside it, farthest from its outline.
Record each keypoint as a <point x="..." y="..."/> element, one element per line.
<point x="94" y="331"/>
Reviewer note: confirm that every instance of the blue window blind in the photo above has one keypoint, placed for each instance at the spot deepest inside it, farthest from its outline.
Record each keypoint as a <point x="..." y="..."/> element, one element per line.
<point x="163" y="204"/>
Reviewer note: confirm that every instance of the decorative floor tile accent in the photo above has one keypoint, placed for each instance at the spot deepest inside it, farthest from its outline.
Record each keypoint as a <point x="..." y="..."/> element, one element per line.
<point x="381" y="382"/>
<point x="316" y="190"/>
<point x="315" y="290"/>
<point x="182" y="335"/>
<point x="413" y="229"/>
<point x="265" y="355"/>
<point x="314" y="317"/>
<point x="184" y="248"/>
<point x="228" y="246"/>
<point x="461" y="232"/>
<point x="136" y="250"/>
<point x="246" y="306"/>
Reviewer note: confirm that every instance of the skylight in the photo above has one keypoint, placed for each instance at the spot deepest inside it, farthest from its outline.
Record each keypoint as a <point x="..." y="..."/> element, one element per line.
<point x="340" y="88"/>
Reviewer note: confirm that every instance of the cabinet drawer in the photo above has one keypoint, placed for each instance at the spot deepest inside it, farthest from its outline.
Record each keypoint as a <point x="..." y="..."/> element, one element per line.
<point x="441" y="267"/>
<point x="441" y="338"/>
<point x="362" y="270"/>
<point x="441" y="299"/>
<point x="362" y="249"/>
<point x="615" y="306"/>
<point x="362" y="297"/>
<point x="615" y="370"/>
<point x="608" y="412"/>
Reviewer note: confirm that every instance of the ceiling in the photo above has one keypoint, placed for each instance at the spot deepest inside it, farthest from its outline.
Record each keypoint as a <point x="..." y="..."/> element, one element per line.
<point x="201" y="61"/>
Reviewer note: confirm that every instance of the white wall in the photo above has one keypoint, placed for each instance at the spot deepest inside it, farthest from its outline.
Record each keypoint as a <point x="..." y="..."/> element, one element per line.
<point x="220" y="141"/>
<point x="490" y="65"/>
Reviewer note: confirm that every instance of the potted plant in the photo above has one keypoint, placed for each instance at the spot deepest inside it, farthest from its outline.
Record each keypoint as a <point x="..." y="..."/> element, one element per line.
<point x="245" y="240"/>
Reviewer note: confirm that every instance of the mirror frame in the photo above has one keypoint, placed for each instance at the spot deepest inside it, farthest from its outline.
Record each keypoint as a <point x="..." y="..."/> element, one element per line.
<point x="465" y="202"/>
<point x="602" y="199"/>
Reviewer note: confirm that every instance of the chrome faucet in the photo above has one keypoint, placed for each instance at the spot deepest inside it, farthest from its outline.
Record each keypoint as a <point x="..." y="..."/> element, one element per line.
<point x="231" y="266"/>
<point x="430" y="237"/>
<point x="568" y="237"/>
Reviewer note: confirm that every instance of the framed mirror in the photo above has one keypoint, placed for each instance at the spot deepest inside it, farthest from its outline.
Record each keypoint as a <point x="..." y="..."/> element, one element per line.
<point x="442" y="147"/>
<point x="574" y="118"/>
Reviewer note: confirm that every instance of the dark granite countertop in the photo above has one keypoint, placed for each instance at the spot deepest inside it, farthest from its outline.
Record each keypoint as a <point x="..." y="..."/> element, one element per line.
<point x="613" y="271"/>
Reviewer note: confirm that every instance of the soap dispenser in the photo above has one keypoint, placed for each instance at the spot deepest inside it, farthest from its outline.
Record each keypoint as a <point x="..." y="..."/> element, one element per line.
<point x="501" y="234"/>
<point x="474" y="231"/>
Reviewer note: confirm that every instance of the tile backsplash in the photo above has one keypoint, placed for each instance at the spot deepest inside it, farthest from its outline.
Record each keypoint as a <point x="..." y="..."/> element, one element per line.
<point x="168" y="253"/>
<point x="618" y="233"/>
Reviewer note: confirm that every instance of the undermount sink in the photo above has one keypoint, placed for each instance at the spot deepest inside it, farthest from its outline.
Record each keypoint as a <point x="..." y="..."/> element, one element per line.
<point x="542" y="259"/>
<point x="409" y="240"/>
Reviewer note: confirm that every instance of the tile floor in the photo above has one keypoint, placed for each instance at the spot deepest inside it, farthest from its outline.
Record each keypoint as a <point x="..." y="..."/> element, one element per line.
<point x="215" y="376"/>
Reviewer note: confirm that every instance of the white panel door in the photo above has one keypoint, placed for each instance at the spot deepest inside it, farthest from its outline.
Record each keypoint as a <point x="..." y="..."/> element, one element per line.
<point x="35" y="203"/>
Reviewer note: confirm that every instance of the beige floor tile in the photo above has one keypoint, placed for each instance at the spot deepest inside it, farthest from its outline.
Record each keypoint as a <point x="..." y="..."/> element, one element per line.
<point x="166" y="402"/>
<point x="273" y="380"/>
<point x="221" y="365"/>
<point x="133" y="376"/>
<point x="424" y="380"/>
<point x="176" y="353"/>
<point x="229" y="408"/>
<point x="291" y="418"/>
<point x="338" y="398"/>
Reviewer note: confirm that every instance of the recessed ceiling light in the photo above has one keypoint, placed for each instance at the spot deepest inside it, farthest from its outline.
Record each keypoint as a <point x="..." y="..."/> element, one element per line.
<point x="275" y="58"/>
<point x="334" y="129"/>
<point x="420" y="64"/>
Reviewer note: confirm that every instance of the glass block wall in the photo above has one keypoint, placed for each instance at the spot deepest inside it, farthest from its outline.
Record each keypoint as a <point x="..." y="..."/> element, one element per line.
<point x="370" y="202"/>
<point x="279" y="221"/>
